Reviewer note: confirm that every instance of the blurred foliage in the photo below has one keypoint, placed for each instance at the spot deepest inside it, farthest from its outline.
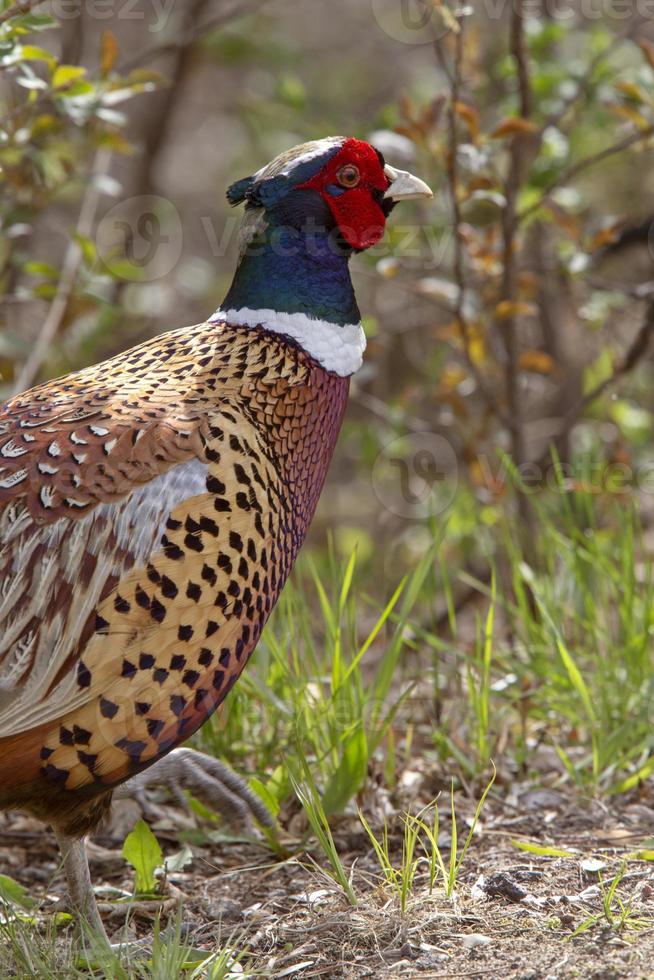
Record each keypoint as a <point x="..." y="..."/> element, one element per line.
<point x="55" y="116"/>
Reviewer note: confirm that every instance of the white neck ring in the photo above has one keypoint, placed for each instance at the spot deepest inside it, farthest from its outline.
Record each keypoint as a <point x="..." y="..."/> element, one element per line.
<point x="338" y="348"/>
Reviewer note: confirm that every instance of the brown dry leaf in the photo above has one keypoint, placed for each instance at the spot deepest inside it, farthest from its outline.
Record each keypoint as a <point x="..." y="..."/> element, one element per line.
<point x="432" y="112"/>
<point x="507" y="307"/>
<point x="449" y="19"/>
<point x="632" y="91"/>
<point x="632" y="115"/>
<point x="451" y="378"/>
<point x="528" y="283"/>
<point x="648" y="50"/>
<point x="458" y="404"/>
<point x="481" y="183"/>
<point x="481" y="476"/>
<point x="405" y="106"/>
<point x="605" y="236"/>
<point x="537" y="361"/>
<point x="513" y="125"/>
<point x="108" y="52"/>
<point x="7" y="369"/>
<point x="613" y="833"/>
<point x="564" y="220"/>
<point x="487" y="264"/>
<point x="116" y="142"/>
<point x="470" y="117"/>
<point x="446" y="332"/>
<point x="411" y="132"/>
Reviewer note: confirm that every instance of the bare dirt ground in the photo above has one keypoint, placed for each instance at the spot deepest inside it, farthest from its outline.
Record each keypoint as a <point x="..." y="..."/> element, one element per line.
<point x="514" y="913"/>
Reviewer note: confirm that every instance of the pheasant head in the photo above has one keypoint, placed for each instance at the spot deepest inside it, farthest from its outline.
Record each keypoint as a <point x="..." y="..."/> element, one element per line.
<point x="306" y="213"/>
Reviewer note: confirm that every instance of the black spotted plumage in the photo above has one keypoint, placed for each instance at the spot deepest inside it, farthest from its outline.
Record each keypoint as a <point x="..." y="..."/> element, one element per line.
<point x="152" y="506"/>
<point x="160" y="615"/>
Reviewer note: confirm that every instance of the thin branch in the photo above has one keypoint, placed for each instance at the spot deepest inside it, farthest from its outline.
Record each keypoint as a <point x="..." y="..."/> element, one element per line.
<point x="189" y="38"/>
<point x="583" y="83"/>
<point x="413" y="290"/>
<point x="640" y="291"/>
<point x="157" y="127"/>
<point x="459" y="273"/>
<point x="521" y="58"/>
<point x="23" y="7"/>
<point x="383" y="411"/>
<point x="635" y="353"/>
<point x="573" y="171"/>
<point x="68" y="279"/>
<point x="442" y="61"/>
<point x="507" y="327"/>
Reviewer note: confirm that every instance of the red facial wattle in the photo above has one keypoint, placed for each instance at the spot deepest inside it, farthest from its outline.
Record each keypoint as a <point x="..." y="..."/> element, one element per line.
<point x="356" y="210"/>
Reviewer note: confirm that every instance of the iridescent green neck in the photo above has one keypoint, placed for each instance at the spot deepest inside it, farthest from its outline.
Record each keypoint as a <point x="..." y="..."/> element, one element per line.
<point x="293" y="271"/>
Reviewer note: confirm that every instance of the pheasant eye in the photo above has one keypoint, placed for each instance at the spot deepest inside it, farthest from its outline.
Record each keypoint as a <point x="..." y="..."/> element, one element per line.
<point x="349" y="176"/>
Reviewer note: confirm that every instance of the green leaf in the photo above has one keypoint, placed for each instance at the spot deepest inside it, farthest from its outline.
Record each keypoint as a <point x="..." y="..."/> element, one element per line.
<point x="141" y="849"/>
<point x="292" y="91"/>
<point x="633" y="780"/>
<point x="347" y="582"/>
<point x="30" y="52"/>
<point x="34" y="22"/>
<point x="577" y="680"/>
<point x="350" y="774"/>
<point x="264" y="792"/>
<point x="44" y="269"/>
<point x="87" y="246"/>
<point x="635" y="422"/>
<point x="599" y="371"/>
<point x="13" y="893"/>
<point x="179" y="861"/>
<point x="525" y="845"/>
<point x="45" y="290"/>
<point x="65" y="74"/>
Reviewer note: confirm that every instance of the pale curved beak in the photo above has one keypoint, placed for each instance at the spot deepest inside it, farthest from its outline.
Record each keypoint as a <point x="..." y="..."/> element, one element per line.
<point x="404" y="186"/>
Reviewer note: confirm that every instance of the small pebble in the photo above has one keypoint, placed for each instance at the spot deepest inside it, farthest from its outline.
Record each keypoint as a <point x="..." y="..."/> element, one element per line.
<point x="473" y="940"/>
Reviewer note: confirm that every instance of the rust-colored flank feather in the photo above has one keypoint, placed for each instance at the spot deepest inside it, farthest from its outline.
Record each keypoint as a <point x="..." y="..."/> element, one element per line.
<point x="151" y="509"/>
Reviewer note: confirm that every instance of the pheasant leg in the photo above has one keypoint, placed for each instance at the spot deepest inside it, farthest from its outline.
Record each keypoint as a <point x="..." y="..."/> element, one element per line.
<point x="80" y="889"/>
<point x="210" y="780"/>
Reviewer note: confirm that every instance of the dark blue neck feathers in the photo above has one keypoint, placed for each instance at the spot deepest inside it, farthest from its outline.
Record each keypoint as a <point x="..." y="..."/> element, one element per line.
<point x="295" y="271"/>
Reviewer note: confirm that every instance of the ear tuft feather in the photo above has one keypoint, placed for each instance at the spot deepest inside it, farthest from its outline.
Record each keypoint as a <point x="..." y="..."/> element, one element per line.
<point x="238" y="192"/>
<point x="262" y="193"/>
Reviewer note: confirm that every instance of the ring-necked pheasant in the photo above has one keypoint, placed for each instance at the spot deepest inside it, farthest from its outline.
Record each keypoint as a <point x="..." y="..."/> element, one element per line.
<point x="151" y="507"/>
